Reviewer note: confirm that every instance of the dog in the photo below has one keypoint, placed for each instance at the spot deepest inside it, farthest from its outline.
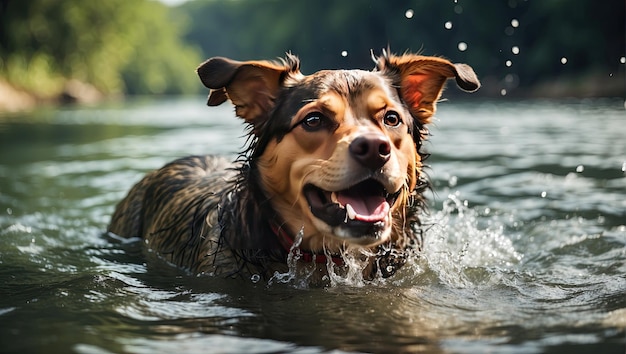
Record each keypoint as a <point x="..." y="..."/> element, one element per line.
<point x="332" y="167"/>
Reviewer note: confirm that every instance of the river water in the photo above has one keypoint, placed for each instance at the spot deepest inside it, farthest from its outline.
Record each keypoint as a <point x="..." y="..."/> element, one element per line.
<point x="525" y="253"/>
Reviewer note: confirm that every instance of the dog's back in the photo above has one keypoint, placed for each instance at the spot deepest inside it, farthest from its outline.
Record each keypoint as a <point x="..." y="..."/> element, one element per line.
<point x="194" y="213"/>
<point x="173" y="209"/>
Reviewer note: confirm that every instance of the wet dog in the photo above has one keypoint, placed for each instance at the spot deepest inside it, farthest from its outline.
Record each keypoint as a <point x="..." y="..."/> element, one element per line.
<point x="333" y="167"/>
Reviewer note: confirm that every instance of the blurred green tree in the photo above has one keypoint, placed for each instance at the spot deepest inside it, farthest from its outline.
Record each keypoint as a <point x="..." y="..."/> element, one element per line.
<point x="118" y="46"/>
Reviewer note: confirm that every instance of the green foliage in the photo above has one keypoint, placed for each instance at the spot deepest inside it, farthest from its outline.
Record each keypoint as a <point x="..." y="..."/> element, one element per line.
<point x="116" y="45"/>
<point x="145" y="47"/>
<point x="161" y="63"/>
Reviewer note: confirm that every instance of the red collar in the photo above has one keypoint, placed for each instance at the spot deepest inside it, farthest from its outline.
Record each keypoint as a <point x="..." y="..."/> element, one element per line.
<point x="305" y="256"/>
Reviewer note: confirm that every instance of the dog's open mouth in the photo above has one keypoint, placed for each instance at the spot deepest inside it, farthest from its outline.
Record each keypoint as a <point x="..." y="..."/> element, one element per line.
<point x="364" y="205"/>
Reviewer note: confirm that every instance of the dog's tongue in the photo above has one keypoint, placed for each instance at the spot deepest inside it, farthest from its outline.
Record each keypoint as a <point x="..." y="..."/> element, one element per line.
<point x="367" y="208"/>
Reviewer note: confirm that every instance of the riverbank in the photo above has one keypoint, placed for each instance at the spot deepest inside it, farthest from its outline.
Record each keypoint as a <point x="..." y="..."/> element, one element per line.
<point x="583" y="85"/>
<point x="14" y="99"/>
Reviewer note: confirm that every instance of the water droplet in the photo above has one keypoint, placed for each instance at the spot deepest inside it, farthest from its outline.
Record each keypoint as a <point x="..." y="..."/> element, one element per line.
<point x="544" y="194"/>
<point x="344" y="53"/>
<point x="462" y="46"/>
<point x="503" y="92"/>
<point x="448" y="25"/>
<point x="563" y="60"/>
<point x="9" y="211"/>
<point x="487" y="211"/>
<point x="409" y="13"/>
<point x="255" y="278"/>
<point x="624" y="164"/>
<point x="508" y="63"/>
<point x="515" y="50"/>
<point x="622" y="60"/>
<point x="580" y="168"/>
<point x="514" y="23"/>
<point x="458" y="9"/>
<point x="452" y="181"/>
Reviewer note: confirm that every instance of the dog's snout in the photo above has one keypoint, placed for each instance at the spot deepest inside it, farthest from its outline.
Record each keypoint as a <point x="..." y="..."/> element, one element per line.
<point x="372" y="151"/>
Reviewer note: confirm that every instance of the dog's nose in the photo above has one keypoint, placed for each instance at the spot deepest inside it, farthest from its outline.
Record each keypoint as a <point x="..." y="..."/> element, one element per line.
<point x="371" y="150"/>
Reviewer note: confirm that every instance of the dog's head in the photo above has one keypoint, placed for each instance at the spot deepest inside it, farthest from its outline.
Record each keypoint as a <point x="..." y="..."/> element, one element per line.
<point x="337" y="152"/>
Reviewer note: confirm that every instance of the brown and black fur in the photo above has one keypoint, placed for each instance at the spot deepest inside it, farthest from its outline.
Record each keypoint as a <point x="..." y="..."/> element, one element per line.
<point x="212" y="216"/>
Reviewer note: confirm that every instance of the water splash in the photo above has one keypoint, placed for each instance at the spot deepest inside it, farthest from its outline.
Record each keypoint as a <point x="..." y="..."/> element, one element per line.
<point x="458" y="230"/>
<point x="463" y="246"/>
<point x="459" y="251"/>
<point x="294" y="274"/>
<point x="307" y="274"/>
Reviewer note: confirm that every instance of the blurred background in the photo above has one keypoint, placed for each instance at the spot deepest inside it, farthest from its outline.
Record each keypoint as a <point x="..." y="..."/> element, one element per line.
<point x="87" y="51"/>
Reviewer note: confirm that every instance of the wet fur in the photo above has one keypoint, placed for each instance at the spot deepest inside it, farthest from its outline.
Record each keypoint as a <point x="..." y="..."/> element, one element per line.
<point x="209" y="215"/>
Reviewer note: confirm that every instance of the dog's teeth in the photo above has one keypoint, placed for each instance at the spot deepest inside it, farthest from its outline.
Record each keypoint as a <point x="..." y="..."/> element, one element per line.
<point x="333" y="198"/>
<point x="350" y="213"/>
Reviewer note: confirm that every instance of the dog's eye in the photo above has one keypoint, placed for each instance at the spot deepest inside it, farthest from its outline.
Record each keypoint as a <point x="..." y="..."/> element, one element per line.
<point x="392" y="119"/>
<point x="314" y="121"/>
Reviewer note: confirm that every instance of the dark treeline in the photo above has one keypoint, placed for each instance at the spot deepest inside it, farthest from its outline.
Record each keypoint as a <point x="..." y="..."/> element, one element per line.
<point x="512" y="44"/>
<point x="523" y="47"/>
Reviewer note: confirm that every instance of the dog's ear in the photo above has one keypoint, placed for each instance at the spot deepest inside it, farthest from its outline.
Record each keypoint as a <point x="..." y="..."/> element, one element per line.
<point x="421" y="80"/>
<point x="251" y="86"/>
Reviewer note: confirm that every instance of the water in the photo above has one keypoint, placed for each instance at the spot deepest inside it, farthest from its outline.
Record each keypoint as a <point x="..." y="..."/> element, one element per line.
<point x="525" y="251"/>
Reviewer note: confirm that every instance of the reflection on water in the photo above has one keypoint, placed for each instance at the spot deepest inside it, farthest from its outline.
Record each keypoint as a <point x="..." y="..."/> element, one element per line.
<point x="524" y="251"/>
